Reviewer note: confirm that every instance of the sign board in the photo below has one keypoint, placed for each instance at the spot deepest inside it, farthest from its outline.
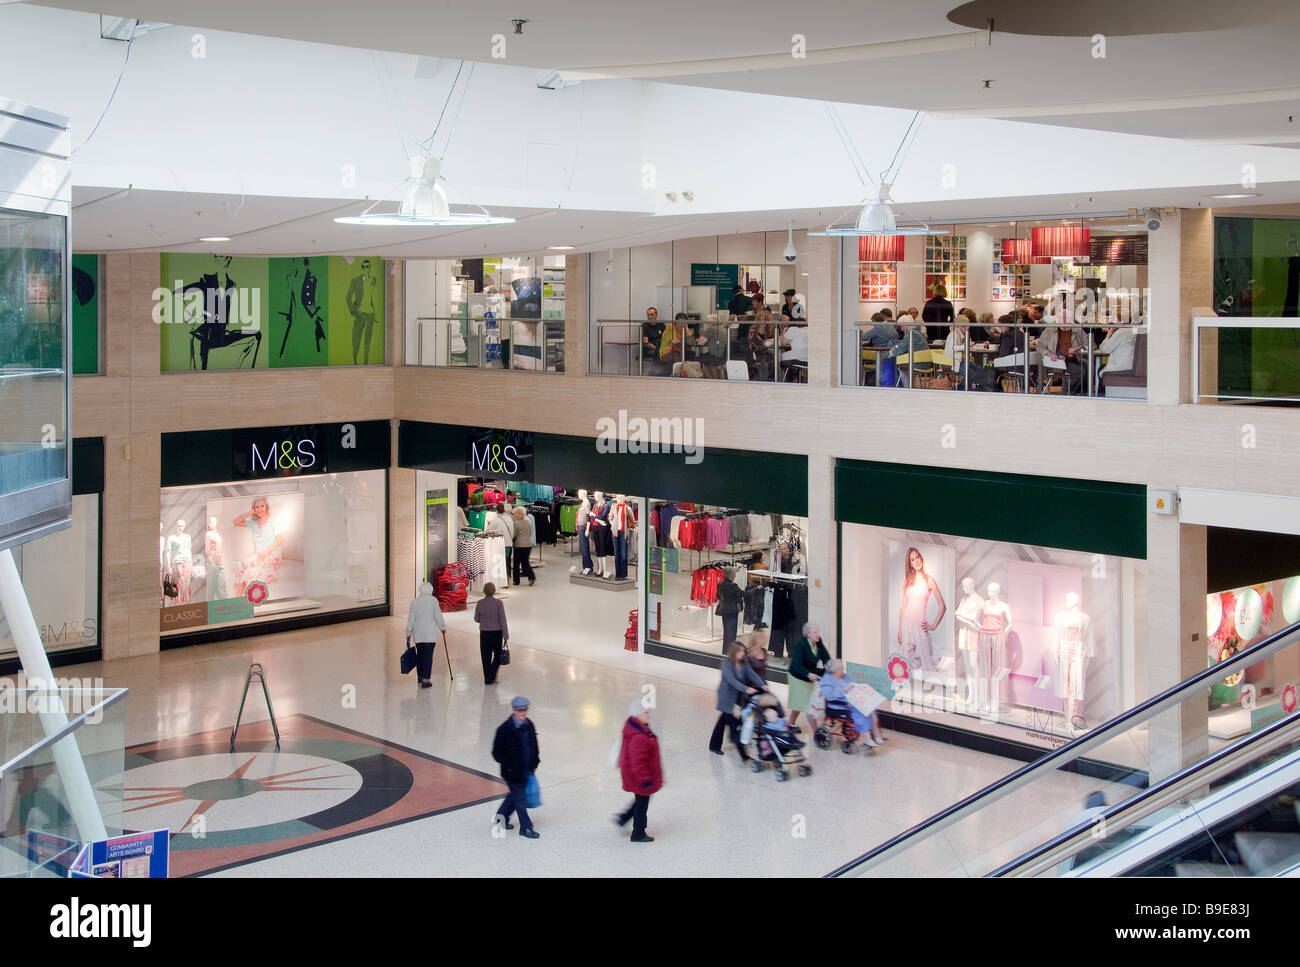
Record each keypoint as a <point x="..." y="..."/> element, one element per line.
<point x="132" y="856"/>
<point x="720" y="275"/>
<point x="500" y="454"/>
<point x="435" y="531"/>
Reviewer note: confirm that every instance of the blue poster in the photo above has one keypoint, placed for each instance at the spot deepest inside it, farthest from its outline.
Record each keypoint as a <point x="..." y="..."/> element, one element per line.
<point x="134" y="856"/>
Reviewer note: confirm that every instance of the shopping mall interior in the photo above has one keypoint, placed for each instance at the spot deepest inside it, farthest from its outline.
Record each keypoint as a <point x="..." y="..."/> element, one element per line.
<point x="969" y="528"/>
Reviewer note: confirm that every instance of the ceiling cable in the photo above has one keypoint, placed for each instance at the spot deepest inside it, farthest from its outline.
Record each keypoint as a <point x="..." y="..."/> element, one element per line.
<point x="120" y="74"/>
<point x="427" y="144"/>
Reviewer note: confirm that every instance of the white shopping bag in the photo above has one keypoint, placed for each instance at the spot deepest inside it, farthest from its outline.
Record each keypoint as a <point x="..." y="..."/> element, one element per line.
<point x="864" y="698"/>
<point x="817" y="703"/>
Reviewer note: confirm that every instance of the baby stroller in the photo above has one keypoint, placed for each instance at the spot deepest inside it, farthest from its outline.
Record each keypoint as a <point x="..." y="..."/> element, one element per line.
<point x="770" y="740"/>
<point x="837" y="720"/>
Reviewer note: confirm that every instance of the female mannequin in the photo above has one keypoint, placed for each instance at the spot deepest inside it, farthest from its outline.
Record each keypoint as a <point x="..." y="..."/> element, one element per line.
<point x="264" y="565"/>
<point x="216" y="569"/>
<point x="584" y="541"/>
<point x="993" y="638"/>
<point x="620" y="526"/>
<point x="1073" y="649"/>
<point x="914" y="626"/>
<point x="180" y="561"/>
<point x="969" y="614"/>
<point x="162" y="563"/>
<point x="598" y="534"/>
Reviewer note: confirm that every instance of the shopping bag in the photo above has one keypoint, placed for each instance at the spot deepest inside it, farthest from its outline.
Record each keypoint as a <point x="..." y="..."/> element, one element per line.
<point x="505" y="656"/>
<point x="817" y="702"/>
<point x="533" y="791"/>
<point x="864" y="698"/>
<point x="747" y="725"/>
<point x="409" y="658"/>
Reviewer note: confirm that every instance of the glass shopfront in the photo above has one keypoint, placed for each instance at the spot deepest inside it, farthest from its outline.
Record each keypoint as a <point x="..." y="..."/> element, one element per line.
<point x="694" y="548"/>
<point x="961" y="603"/>
<point x="61" y="571"/>
<point x="299" y="535"/>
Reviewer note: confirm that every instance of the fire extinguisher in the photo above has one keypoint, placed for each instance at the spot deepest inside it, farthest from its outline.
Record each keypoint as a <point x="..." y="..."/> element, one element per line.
<point x="629" y="638"/>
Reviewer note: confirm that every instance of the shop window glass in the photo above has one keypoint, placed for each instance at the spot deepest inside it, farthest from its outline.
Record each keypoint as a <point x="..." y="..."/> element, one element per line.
<point x="1036" y="640"/>
<point x="246" y="552"/>
<point x="691" y="545"/>
<point x="60" y="574"/>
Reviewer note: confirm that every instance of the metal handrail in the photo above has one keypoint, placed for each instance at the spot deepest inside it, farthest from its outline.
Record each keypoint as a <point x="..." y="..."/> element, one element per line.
<point x="634" y="327"/>
<point x="1170" y="789"/>
<point x="1074" y="749"/>
<point x="550" y="330"/>
<point x="50" y="740"/>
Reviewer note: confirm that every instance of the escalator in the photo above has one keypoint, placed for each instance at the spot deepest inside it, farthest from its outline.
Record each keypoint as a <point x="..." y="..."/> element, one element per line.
<point x="1118" y="802"/>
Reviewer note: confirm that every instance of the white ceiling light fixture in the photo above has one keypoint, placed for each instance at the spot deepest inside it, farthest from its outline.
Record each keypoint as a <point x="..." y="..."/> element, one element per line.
<point x="877" y="218"/>
<point x="1240" y="194"/>
<point x="214" y="238"/>
<point x="560" y="248"/>
<point x="424" y="204"/>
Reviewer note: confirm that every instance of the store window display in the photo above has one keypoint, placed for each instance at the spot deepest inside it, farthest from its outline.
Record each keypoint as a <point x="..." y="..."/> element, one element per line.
<point x="693" y="546"/>
<point x="1041" y="639"/>
<point x="278" y="547"/>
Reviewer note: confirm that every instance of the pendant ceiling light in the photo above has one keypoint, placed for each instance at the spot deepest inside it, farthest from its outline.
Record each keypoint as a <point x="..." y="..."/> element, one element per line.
<point x="881" y="248"/>
<point x="877" y="218"/>
<point x="424" y="204"/>
<point x="1061" y="242"/>
<point x="1016" y="251"/>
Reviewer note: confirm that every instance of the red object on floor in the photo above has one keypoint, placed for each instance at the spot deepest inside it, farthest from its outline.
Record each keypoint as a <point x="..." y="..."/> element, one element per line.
<point x="451" y="586"/>
<point x="630" y="636"/>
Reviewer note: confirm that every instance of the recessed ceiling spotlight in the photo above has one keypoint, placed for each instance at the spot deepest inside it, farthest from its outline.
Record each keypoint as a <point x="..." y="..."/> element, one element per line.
<point x="671" y="195"/>
<point x="1239" y="194"/>
<point x="214" y="238"/>
<point x="559" y="248"/>
<point x="689" y="195"/>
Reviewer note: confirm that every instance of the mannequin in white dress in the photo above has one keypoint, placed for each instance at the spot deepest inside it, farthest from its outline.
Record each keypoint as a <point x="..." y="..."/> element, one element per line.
<point x="212" y="547"/>
<point x="1074" y="646"/>
<point x="180" y="561"/>
<point x="970" y="615"/>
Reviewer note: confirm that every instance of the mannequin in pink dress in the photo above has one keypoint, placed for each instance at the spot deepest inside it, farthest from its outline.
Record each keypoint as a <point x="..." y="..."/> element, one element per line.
<point x="914" y="626"/>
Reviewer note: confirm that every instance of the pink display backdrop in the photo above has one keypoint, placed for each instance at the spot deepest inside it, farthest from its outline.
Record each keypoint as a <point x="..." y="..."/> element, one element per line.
<point x="1036" y="592"/>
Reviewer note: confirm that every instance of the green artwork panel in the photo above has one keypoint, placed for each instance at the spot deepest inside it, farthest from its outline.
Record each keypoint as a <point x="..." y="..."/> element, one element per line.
<point x="221" y="321"/>
<point x="355" y="311"/>
<point x="85" y="315"/>
<point x="299" y="331"/>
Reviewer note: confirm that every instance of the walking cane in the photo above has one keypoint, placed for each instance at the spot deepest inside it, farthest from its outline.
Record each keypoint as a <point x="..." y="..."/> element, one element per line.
<point x="446" y="650"/>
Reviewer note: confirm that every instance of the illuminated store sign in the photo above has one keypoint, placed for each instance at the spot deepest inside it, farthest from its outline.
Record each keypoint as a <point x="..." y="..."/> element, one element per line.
<point x="504" y="454"/>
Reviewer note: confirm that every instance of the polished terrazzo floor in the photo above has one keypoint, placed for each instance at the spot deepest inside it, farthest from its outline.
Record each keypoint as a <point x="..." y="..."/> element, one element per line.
<point x="713" y="817"/>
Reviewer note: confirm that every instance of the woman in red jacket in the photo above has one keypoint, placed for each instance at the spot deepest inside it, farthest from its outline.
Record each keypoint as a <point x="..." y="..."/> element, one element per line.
<point x="638" y="761"/>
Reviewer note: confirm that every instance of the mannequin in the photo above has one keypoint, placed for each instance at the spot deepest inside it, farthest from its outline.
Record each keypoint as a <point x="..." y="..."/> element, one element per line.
<point x="180" y="561"/>
<point x="212" y="544"/>
<point x="597" y="532"/>
<point x="602" y="545"/>
<point x="621" y="524"/>
<point x="970" y="615"/>
<point x="162" y="563"/>
<point x="915" y="629"/>
<point x="994" y="628"/>
<point x="584" y="542"/>
<point x="1074" y="646"/>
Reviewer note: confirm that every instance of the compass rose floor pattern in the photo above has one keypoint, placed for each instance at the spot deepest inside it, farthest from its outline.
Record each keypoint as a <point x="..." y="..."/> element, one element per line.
<point x="324" y="784"/>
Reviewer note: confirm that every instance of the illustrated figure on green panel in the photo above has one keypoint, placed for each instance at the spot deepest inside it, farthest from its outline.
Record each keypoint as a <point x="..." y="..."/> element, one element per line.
<point x="364" y="298"/>
<point x="212" y="332"/>
<point x="305" y="296"/>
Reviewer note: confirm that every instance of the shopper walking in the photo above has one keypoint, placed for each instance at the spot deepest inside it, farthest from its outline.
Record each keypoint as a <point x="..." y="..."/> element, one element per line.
<point x="515" y="748"/>
<point x="493" y="631"/>
<point x="423" y="622"/>
<point x="738" y="683"/>
<point x="808" y="661"/>
<point x="641" y="769"/>
<point x="504" y="524"/>
<point x="523" y="547"/>
<point x="731" y="601"/>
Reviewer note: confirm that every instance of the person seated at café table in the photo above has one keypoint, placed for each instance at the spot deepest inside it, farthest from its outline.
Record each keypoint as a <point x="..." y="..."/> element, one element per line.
<point x="759" y="342"/>
<point x="980" y="333"/>
<point x="1120" y="345"/>
<point x="794" y="346"/>
<point x="882" y="333"/>
<point x="673" y="340"/>
<point x="652" y="333"/>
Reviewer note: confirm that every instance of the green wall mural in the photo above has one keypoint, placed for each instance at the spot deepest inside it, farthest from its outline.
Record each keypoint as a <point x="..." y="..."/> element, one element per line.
<point x="223" y="312"/>
<point x="85" y="314"/>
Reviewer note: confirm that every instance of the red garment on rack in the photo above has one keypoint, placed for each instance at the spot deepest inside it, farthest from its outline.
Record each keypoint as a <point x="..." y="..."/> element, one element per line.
<point x="704" y="585"/>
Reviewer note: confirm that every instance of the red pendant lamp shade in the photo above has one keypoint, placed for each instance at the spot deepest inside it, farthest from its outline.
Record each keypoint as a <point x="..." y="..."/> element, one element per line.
<point x="1064" y="242"/>
<point x="880" y="248"/>
<point x="1016" y="251"/>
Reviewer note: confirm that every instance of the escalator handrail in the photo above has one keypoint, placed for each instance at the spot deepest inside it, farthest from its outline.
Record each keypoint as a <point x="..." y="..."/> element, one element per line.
<point x="1117" y="818"/>
<point x="1075" y="748"/>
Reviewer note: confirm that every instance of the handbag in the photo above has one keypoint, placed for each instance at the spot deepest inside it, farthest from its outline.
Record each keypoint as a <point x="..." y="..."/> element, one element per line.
<point x="409" y="658"/>
<point x="169" y="587"/>
<point x="532" y="791"/>
<point x="505" y="655"/>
